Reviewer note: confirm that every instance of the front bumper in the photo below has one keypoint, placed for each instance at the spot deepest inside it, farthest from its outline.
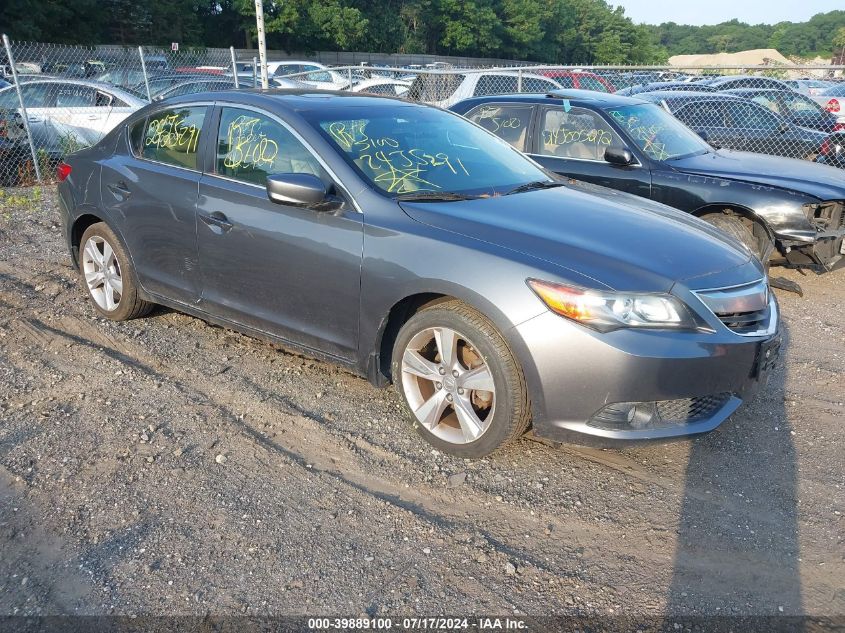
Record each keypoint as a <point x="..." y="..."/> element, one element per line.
<point x="828" y="239"/>
<point x="574" y="373"/>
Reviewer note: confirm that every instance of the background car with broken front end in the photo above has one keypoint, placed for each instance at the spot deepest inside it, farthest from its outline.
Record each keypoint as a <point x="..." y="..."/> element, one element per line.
<point x="784" y="210"/>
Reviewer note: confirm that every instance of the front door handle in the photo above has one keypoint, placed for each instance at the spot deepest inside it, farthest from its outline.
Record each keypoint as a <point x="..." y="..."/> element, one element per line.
<point x="34" y="119"/>
<point x="217" y="222"/>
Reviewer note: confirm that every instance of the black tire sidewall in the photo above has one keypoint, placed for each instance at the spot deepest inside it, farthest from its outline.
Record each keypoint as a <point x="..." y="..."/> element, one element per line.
<point x="735" y="227"/>
<point x="500" y="429"/>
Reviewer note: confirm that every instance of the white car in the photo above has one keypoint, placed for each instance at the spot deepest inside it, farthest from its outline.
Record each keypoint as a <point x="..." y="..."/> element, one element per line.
<point x="317" y="74"/>
<point x="66" y="114"/>
<point x="445" y="89"/>
<point x="383" y="86"/>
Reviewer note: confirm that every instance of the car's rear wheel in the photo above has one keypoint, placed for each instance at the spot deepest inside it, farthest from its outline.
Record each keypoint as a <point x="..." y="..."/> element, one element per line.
<point x="462" y="385"/>
<point x="755" y="237"/>
<point x="107" y="275"/>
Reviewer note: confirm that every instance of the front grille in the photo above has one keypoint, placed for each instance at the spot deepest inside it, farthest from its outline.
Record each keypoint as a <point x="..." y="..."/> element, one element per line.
<point x="689" y="410"/>
<point x="745" y="322"/>
<point x="743" y="309"/>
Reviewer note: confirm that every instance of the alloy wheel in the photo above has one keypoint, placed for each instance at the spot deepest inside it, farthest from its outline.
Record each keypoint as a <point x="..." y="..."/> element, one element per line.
<point x="448" y="385"/>
<point x="102" y="273"/>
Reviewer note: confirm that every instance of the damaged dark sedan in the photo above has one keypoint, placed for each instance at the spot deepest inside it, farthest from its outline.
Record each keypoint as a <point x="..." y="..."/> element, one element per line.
<point x="787" y="211"/>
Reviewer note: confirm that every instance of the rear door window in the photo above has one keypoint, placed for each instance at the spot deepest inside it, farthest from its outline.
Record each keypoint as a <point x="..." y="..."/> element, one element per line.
<point x="508" y="122"/>
<point x="495" y="85"/>
<point x="578" y="133"/>
<point x="74" y="96"/>
<point x="172" y="136"/>
<point x="536" y="85"/>
<point x="35" y="95"/>
<point x="707" y="114"/>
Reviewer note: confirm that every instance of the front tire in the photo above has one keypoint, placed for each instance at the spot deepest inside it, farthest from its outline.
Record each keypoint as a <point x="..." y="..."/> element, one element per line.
<point x="753" y="235"/>
<point x="107" y="275"/>
<point x="461" y="383"/>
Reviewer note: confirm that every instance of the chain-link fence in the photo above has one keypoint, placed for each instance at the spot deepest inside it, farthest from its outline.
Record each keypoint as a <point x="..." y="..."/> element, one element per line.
<point x="57" y="99"/>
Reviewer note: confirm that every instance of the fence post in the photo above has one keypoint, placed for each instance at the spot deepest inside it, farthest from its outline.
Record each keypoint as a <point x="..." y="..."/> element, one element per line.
<point x="255" y="72"/>
<point x="349" y="87"/>
<point x="262" y="41"/>
<point x="234" y="67"/>
<point x="519" y="80"/>
<point x="23" y="108"/>
<point x="144" y="70"/>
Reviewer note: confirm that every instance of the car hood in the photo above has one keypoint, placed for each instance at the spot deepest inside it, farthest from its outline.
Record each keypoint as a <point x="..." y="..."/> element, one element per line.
<point x="819" y="181"/>
<point x="618" y="240"/>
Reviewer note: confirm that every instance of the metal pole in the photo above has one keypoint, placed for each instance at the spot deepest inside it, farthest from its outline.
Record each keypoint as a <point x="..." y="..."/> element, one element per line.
<point x="23" y="107"/>
<point x="519" y="80"/>
<point x="234" y="67"/>
<point x="144" y="70"/>
<point x="349" y="87"/>
<point x="255" y="72"/>
<point x="262" y="42"/>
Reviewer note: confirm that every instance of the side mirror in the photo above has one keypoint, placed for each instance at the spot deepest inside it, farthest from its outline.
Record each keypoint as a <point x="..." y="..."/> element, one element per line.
<point x="618" y="156"/>
<point x="298" y="189"/>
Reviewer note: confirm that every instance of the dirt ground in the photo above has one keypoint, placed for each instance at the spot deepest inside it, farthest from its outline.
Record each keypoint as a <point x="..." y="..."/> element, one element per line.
<point x="165" y="466"/>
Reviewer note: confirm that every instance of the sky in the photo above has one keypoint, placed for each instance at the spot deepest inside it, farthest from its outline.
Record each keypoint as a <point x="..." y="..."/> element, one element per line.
<point x="716" y="11"/>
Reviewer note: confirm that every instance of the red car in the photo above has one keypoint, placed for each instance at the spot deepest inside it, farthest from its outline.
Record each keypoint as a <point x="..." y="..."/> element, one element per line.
<point x="579" y="80"/>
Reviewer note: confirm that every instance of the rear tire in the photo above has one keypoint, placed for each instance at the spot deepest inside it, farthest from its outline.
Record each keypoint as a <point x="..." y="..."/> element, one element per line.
<point x="464" y="389"/>
<point x="753" y="235"/>
<point x="107" y="275"/>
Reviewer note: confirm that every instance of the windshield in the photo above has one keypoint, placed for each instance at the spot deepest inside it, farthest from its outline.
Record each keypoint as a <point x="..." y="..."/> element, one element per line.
<point x="657" y="133"/>
<point x="406" y="149"/>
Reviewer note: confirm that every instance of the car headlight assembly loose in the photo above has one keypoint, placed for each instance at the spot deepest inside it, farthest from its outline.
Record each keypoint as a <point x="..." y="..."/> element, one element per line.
<point x="606" y="310"/>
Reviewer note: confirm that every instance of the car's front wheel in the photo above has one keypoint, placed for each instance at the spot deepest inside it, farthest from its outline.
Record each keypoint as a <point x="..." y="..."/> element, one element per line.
<point x="465" y="390"/>
<point x="107" y="275"/>
<point x="754" y="236"/>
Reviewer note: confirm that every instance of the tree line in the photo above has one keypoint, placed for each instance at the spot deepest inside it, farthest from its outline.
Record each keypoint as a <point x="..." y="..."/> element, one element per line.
<point x="551" y="31"/>
<point x="821" y="35"/>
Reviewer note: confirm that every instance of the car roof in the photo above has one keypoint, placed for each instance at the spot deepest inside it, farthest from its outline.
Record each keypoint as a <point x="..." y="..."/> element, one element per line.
<point x="98" y="85"/>
<point x="576" y="97"/>
<point x="282" y="62"/>
<point x="295" y="99"/>
<point x="687" y="96"/>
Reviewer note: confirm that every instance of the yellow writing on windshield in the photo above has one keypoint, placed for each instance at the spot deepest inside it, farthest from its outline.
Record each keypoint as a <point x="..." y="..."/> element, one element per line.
<point x="648" y="137"/>
<point x="393" y="168"/>
<point x="248" y="146"/>
<point x="172" y="132"/>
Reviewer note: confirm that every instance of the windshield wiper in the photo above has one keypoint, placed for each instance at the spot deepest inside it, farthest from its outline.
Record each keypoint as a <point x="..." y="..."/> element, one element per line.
<point x="434" y="196"/>
<point x="536" y="184"/>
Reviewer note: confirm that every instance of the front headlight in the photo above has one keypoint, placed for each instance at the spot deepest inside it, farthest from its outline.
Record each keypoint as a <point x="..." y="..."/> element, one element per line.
<point x="605" y="310"/>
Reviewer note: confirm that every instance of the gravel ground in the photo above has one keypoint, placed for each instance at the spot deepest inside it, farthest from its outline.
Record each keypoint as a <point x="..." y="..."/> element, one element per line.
<point x="166" y="466"/>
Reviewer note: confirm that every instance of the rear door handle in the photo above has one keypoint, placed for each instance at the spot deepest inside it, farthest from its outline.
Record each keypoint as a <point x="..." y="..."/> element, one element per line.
<point x="217" y="222"/>
<point x="94" y="117"/>
<point x="34" y="119"/>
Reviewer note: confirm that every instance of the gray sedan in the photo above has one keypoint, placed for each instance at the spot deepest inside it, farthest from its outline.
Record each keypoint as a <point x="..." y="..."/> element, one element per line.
<point x="412" y="246"/>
